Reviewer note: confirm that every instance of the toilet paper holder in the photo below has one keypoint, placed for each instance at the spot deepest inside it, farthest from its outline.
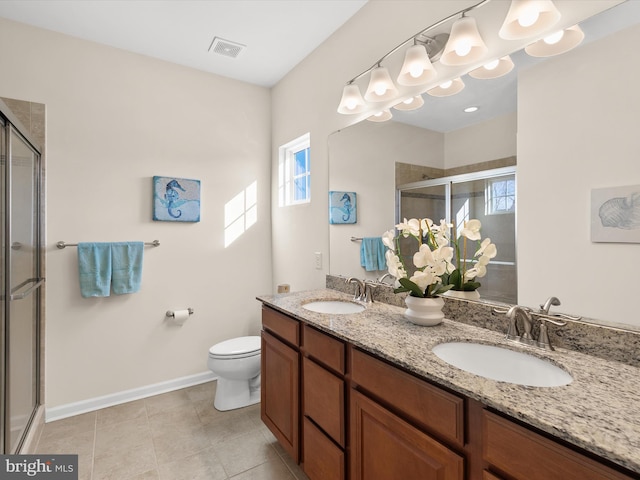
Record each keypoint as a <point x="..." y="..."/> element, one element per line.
<point x="172" y="314"/>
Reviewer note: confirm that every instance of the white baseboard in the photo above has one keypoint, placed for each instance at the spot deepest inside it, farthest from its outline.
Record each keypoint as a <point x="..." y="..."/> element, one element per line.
<point x="92" y="404"/>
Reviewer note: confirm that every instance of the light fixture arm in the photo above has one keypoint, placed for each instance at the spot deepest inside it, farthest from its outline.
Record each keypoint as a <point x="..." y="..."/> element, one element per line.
<point x="414" y="38"/>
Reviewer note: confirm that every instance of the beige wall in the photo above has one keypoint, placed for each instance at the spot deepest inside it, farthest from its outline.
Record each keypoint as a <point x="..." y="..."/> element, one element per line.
<point x="115" y="119"/>
<point x="577" y="130"/>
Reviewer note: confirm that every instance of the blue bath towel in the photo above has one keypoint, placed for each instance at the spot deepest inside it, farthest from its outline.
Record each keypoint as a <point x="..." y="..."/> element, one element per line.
<point x="94" y="265"/>
<point x="372" y="252"/>
<point x="126" y="260"/>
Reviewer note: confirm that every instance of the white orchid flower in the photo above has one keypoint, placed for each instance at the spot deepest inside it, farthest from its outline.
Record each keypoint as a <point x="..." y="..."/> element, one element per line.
<point x="389" y="239"/>
<point x="483" y="260"/>
<point x="424" y="279"/>
<point x="423" y="257"/>
<point x="442" y="233"/>
<point x="471" y="230"/>
<point x="487" y="249"/>
<point x="409" y="227"/>
<point x="394" y="265"/>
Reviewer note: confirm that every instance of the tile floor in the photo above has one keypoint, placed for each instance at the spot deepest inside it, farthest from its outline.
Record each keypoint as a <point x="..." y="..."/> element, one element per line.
<point x="173" y="436"/>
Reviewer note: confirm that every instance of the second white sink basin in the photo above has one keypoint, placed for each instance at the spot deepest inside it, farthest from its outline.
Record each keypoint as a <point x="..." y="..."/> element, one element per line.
<point x="336" y="307"/>
<point x="502" y="364"/>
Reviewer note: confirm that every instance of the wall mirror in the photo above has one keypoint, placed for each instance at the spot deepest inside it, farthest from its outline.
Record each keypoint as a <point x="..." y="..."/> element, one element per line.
<point x="372" y="159"/>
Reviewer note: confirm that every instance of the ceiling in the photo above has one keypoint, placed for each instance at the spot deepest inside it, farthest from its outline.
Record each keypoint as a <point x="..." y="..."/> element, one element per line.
<point x="277" y="34"/>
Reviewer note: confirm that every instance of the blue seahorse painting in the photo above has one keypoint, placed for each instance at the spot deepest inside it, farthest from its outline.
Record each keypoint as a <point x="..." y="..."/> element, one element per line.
<point x="176" y="199"/>
<point x="342" y="207"/>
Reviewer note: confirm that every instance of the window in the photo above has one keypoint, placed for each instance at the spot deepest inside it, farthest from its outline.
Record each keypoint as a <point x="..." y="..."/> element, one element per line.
<point x="500" y="196"/>
<point x="294" y="172"/>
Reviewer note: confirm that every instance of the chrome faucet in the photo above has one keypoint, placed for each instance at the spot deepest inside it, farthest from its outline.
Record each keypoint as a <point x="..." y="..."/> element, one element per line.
<point x="527" y="324"/>
<point x="544" y="309"/>
<point x="369" y="287"/>
<point x="526" y="315"/>
<point x="359" y="289"/>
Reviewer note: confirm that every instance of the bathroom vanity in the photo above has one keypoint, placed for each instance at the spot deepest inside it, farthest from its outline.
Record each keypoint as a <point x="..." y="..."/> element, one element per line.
<point x="362" y="397"/>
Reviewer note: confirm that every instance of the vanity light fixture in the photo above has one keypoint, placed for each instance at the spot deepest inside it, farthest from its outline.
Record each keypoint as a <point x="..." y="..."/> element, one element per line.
<point x="417" y="68"/>
<point x="381" y="86"/>
<point x="352" y="101"/>
<point x="450" y="87"/>
<point x="412" y="103"/>
<point x="527" y="18"/>
<point x="382" y="116"/>
<point x="556" y="43"/>
<point x="494" y="69"/>
<point x="465" y="45"/>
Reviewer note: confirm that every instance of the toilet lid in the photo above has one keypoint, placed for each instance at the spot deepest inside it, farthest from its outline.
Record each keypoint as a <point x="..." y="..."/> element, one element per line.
<point x="236" y="347"/>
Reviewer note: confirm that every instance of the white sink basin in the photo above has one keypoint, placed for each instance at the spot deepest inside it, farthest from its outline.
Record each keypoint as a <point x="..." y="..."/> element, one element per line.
<point x="335" y="307"/>
<point x="502" y="364"/>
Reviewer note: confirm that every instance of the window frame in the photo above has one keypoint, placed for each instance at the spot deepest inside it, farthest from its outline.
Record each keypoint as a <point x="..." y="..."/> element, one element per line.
<point x="287" y="175"/>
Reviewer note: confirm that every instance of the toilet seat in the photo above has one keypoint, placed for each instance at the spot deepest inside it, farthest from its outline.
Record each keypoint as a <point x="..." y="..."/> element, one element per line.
<point x="240" y="347"/>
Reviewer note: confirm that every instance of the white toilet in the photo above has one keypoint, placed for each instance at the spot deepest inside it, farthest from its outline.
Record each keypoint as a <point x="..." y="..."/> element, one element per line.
<point x="236" y="363"/>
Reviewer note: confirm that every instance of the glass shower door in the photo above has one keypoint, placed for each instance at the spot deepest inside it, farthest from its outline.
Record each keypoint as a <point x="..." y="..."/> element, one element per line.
<point x="22" y="272"/>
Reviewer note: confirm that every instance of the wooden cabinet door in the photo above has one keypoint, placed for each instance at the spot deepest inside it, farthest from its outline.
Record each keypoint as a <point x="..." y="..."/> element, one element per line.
<point x="385" y="447"/>
<point x="280" y="398"/>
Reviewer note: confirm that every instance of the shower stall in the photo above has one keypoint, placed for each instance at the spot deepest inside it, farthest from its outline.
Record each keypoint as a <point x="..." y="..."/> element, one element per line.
<point x="21" y="282"/>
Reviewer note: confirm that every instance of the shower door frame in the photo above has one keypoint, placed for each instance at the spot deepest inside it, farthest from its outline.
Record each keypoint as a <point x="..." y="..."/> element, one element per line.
<point x="11" y="125"/>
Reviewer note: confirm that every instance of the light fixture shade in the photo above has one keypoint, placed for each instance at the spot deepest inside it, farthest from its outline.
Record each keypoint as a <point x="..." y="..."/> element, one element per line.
<point x="417" y="68"/>
<point x="412" y="103"/>
<point x="527" y="18"/>
<point x="465" y="45"/>
<point x="352" y="101"/>
<point x="557" y="43"/>
<point x="448" y="88"/>
<point x="381" y="86"/>
<point x="494" y="69"/>
<point x="382" y="116"/>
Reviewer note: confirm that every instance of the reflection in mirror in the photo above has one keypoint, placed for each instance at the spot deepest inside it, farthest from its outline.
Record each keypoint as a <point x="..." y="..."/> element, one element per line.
<point x="558" y="136"/>
<point x="488" y="196"/>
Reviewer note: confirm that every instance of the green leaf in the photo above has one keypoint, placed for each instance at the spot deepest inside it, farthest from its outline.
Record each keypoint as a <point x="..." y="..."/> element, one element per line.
<point x="455" y="279"/>
<point x="470" y="286"/>
<point x="415" y="290"/>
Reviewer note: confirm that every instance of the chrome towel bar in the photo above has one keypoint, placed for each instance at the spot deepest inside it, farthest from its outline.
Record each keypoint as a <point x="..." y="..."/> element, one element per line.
<point x="155" y="243"/>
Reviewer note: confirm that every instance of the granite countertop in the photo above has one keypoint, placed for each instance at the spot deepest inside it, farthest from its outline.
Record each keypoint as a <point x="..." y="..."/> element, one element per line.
<point x="599" y="411"/>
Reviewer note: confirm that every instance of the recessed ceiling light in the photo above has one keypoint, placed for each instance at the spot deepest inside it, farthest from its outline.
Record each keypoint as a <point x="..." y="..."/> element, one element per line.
<point x="470" y="109"/>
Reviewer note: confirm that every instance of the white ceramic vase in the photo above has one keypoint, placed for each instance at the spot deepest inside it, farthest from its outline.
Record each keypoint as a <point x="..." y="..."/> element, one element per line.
<point x="424" y="311"/>
<point x="465" y="295"/>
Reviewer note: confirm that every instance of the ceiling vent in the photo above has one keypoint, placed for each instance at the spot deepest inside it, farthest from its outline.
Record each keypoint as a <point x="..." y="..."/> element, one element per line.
<point x="226" y="47"/>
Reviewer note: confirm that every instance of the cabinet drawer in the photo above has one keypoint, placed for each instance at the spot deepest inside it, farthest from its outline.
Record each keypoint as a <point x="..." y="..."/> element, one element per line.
<point x="321" y="458"/>
<point x="323" y="348"/>
<point x="428" y="406"/>
<point x="287" y="328"/>
<point x="323" y="399"/>
<point x="526" y="455"/>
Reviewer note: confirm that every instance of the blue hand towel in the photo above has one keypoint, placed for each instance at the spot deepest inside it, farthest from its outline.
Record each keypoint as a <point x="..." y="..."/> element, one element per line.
<point x="372" y="252"/>
<point x="126" y="258"/>
<point x="94" y="266"/>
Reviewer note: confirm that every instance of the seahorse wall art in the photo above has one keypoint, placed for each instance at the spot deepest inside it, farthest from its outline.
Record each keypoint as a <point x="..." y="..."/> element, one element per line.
<point x="615" y="214"/>
<point x="176" y="199"/>
<point x="342" y="207"/>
